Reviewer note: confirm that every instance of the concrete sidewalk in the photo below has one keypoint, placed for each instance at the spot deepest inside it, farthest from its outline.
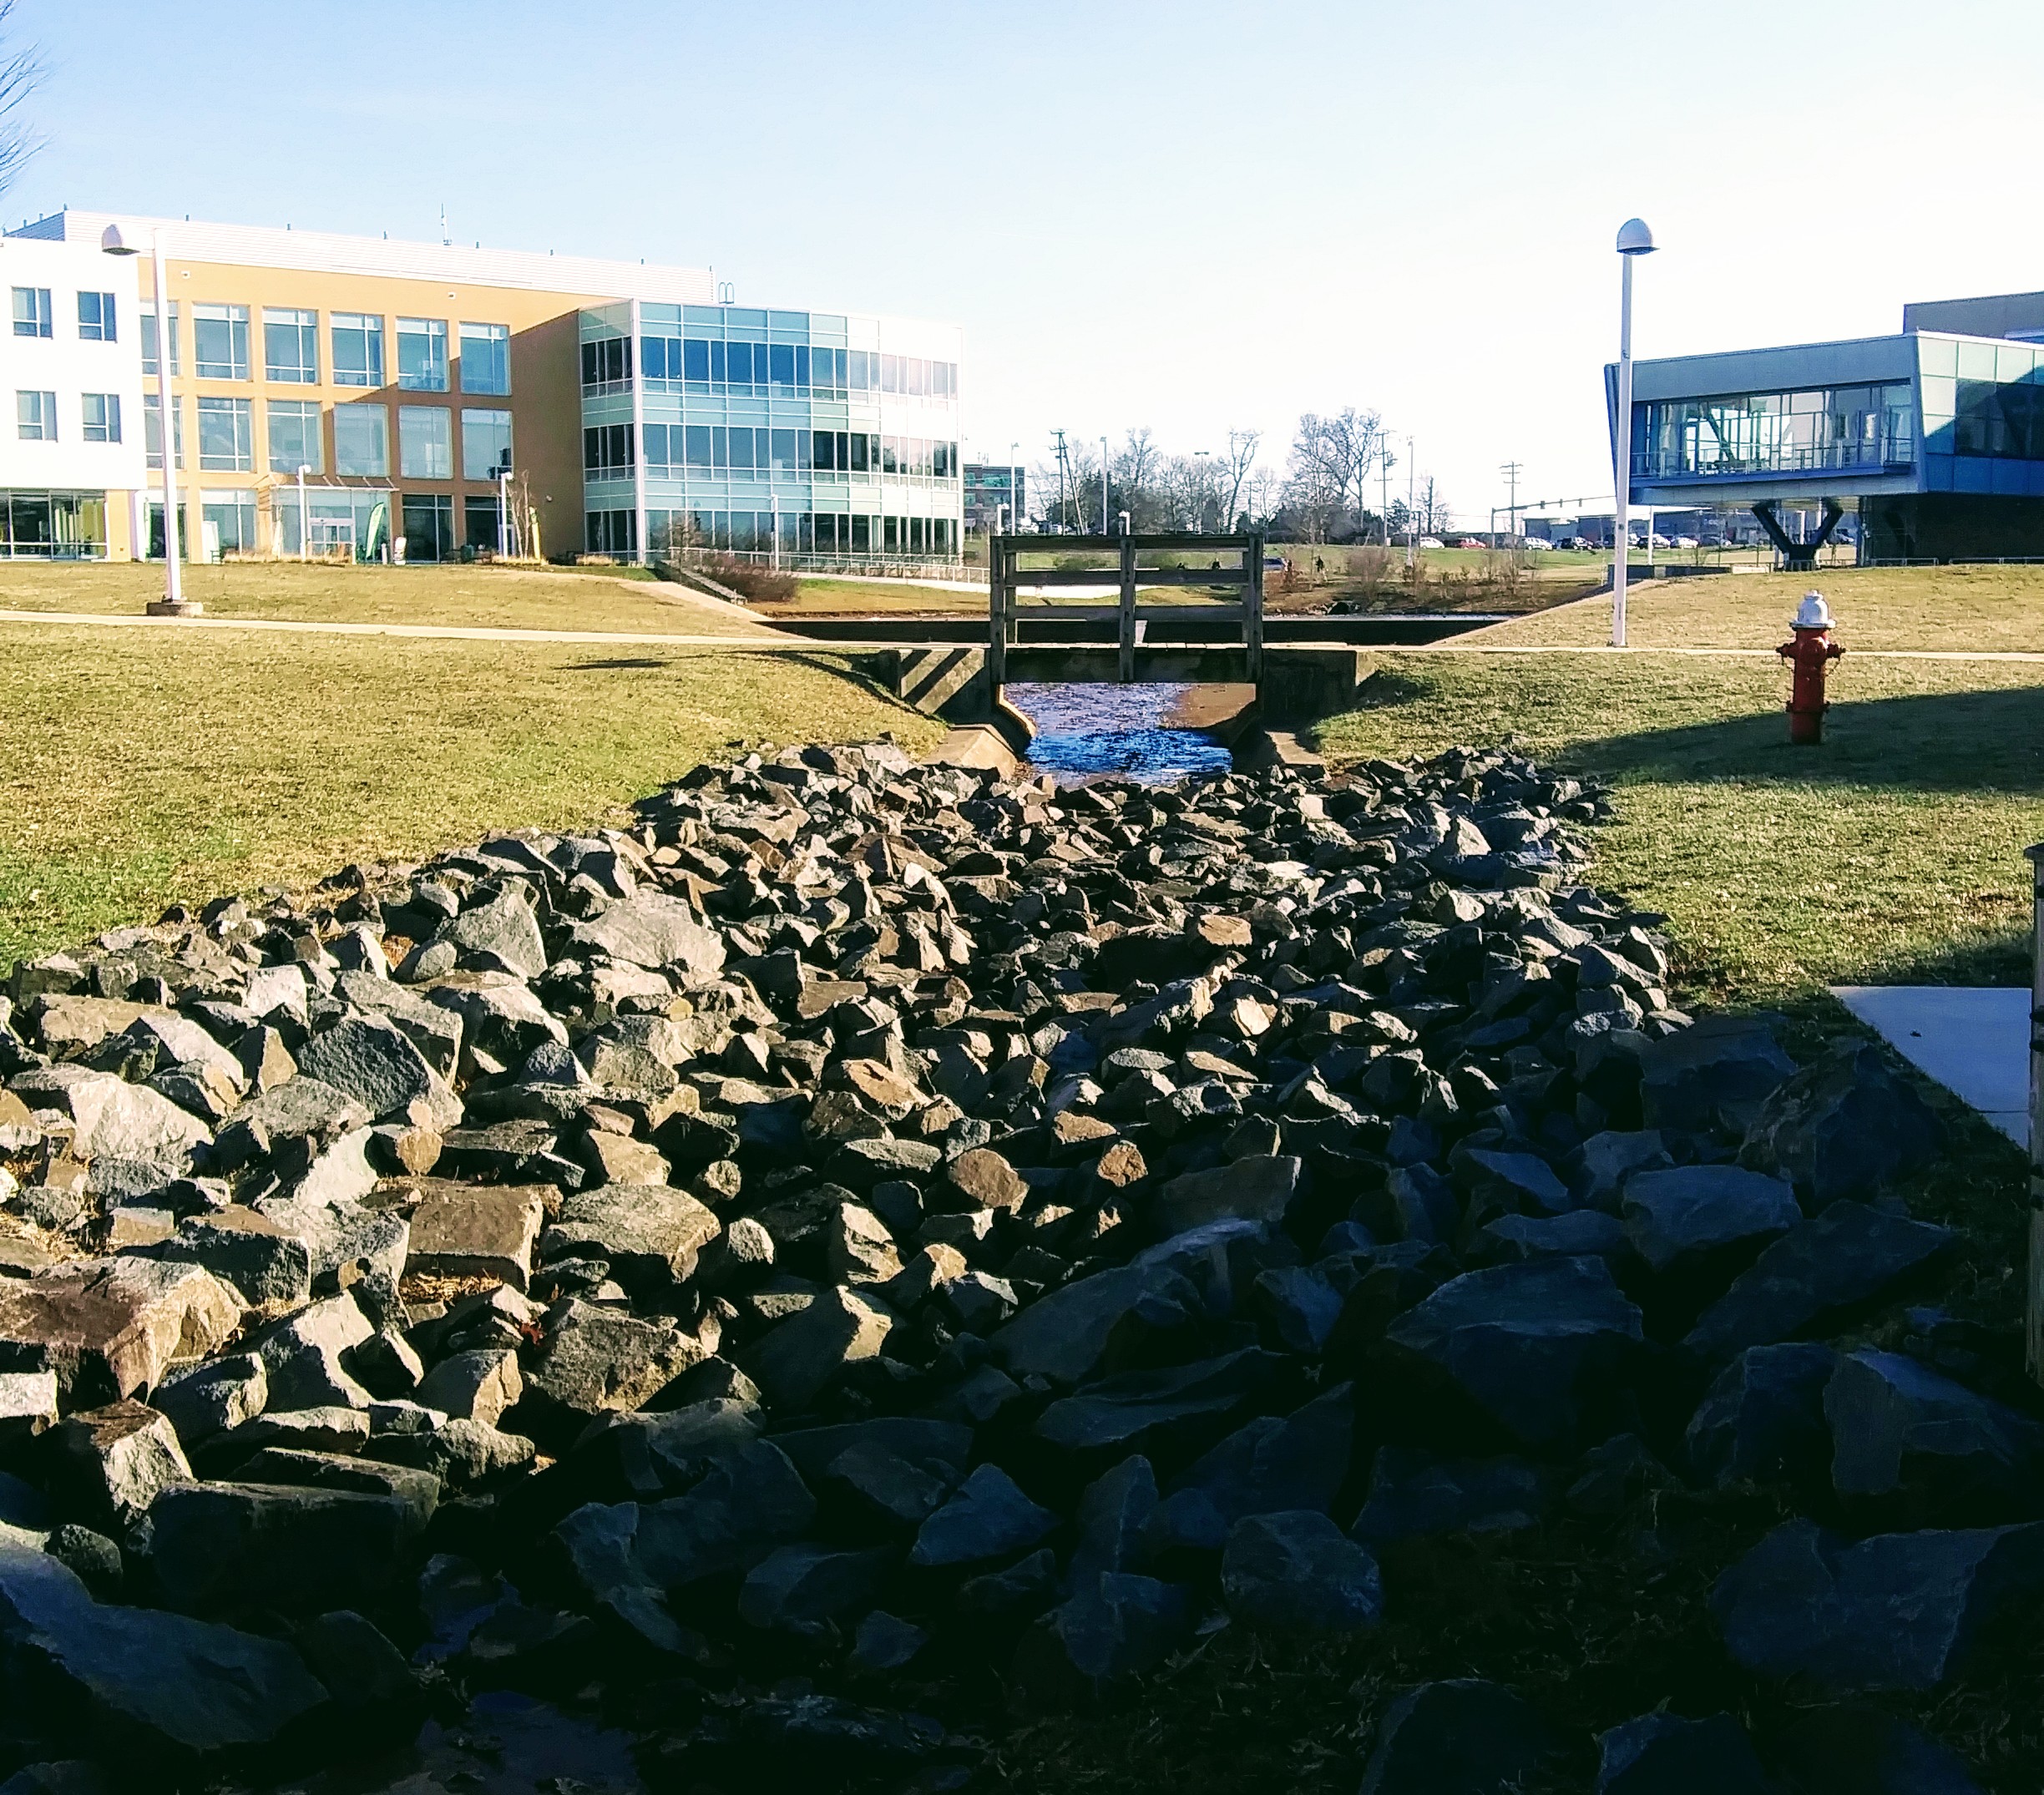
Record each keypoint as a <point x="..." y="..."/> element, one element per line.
<point x="1973" y="1041"/>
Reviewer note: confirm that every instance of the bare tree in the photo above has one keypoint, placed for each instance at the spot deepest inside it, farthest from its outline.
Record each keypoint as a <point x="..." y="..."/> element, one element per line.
<point x="1232" y="474"/>
<point x="21" y="74"/>
<point x="1333" y="457"/>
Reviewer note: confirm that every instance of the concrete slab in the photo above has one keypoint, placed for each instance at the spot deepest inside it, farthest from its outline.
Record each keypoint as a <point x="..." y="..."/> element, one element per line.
<point x="1975" y="1041"/>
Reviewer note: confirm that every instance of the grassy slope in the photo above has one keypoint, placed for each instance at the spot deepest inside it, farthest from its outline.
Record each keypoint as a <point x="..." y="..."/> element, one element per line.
<point x="477" y="596"/>
<point x="1894" y="852"/>
<point x="1979" y="609"/>
<point x="138" y="767"/>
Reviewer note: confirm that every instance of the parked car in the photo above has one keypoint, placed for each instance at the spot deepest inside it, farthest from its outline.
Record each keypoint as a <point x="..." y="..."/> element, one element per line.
<point x="1432" y="542"/>
<point x="1274" y="564"/>
<point x="1688" y="542"/>
<point x="1468" y="541"/>
<point x="1538" y="542"/>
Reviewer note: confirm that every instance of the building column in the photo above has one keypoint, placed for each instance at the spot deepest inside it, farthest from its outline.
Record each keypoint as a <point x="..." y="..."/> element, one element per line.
<point x="638" y="429"/>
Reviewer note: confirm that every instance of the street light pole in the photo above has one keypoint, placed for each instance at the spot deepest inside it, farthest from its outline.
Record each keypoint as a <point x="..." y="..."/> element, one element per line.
<point x="1014" y="485"/>
<point x="1634" y="240"/>
<point x="114" y="241"/>
<point x="1412" y="520"/>
<point x="305" y="520"/>
<point x="1103" y="486"/>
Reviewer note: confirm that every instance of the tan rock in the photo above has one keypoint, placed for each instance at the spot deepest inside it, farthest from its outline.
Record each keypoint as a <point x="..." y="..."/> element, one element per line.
<point x="1121" y="1166"/>
<point x="618" y="1159"/>
<point x="110" y="1327"/>
<point x="475" y="1230"/>
<point x="982" y="1179"/>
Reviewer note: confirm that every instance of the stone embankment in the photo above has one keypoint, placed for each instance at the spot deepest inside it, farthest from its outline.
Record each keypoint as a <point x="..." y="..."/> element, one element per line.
<point x="872" y="1226"/>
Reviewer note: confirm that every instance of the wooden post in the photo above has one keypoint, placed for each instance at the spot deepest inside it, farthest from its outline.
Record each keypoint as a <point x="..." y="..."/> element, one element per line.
<point x="2033" y="1329"/>
<point x="997" y="617"/>
<point x="1126" y="667"/>
<point x="1253" y="609"/>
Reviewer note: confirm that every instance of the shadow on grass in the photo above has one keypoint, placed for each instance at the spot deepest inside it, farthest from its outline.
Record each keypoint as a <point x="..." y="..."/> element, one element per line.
<point x="2001" y="957"/>
<point x="1949" y="741"/>
<point x="614" y="666"/>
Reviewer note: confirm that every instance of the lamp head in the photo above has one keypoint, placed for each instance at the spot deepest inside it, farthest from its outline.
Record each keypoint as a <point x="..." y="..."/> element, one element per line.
<point x="114" y="242"/>
<point x="1635" y="239"/>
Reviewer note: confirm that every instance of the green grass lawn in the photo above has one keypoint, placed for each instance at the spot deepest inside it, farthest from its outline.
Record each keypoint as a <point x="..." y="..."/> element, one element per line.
<point x="477" y="595"/>
<point x="139" y="767"/>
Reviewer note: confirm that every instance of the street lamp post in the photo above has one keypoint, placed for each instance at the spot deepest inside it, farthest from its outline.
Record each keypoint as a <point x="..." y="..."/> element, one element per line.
<point x="1635" y="240"/>
<point x="304" y="519"/>
<point x="1103" y="486"/>
<point x="1014" y="485"/>
<point x="1412" y="497"/>
<point x="173" y="604"/>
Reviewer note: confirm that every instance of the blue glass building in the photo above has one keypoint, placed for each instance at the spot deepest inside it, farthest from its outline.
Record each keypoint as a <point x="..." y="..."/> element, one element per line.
<point x="805" y="438"/>
<point x="1934" y="437"/>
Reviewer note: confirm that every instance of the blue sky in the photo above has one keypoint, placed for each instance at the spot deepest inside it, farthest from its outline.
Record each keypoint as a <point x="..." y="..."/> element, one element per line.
<point x="1190" y="216"/>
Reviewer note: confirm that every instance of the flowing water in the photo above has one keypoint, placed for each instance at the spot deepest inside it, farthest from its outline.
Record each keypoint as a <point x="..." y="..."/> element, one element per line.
<point x="1094" y="731"/>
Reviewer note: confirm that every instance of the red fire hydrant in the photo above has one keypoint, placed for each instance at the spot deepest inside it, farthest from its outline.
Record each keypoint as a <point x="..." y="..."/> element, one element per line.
<point x="1812" y="653"/>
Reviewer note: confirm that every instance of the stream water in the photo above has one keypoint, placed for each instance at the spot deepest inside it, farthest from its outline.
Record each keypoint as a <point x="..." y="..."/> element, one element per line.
<point x="1093" y="732"/>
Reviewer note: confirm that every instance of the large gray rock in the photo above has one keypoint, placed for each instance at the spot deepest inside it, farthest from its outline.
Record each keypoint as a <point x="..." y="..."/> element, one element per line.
<point x="592" y="1361"/>
<point x="1163" y="1413"/>
<point x="1718" y="1074"/>
<point x="1538" y="1351"/>
<point x="1817" y="1278"/>
<point x="795" y="1362"/>
<point x="104" y="1466"/>
<point x="1064" y="1334"/>
<point x="1259" y="1187"/>
<point x="373" y="1060"/>
<point x="1112" y="1514"/>
<point x="212" y="1395"/>
<point x="1269" y="1466"/>
<point x="1296" y="1571"/>
<point x="1763" y="1421"/>
<point x="261" y="1259"/>
<point x="802" y="1588"/>
<point x="1915" y="1449"/>
<point x="654" y="931"/>
<point x="989" y="1518"/>
<point x="1849" y="1749"/>
<point x="435" y="1031"/>
<point x="499" y="934"/>
<point x="648" y="1234"/>
<point x="301" y="1109"/>
<point x="1688" y="1218"/>
<point x="751" y="1502"/>
<point x="1844" y="1127"/>
<point x="149" y="1687"/>
<point x="222" y="1547"/>
<point x="1896" y="1612"/>
<point x="116" y="1120"/>
<point x="1115" y="1625"/>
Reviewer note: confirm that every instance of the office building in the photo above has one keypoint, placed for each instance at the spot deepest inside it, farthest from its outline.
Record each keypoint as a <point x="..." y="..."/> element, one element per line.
<point x="73" y="371"/>
<point x="991" y="489"/>
<point x="435" y="399"/>
<point x="1934" y="437"/>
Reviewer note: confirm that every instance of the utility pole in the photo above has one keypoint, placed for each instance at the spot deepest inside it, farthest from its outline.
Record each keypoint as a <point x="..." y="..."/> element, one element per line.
<point x="1103" y="486"/>
<point x="1511" y="471"/>
<point x="1383" y="472"/>
<point x="1064" y="465"/>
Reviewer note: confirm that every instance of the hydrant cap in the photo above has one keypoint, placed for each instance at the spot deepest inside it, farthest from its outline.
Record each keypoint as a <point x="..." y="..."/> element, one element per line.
<point x="1814" y="614"/>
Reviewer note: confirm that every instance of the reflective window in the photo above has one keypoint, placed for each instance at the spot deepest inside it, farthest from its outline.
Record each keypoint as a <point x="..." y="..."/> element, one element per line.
<point x="486" y="358"/>
<point x="294" y="431"/>
<point x="32" y="311"/>
<point x="357" y="349"/>
<point x="291" y="346"/>
<point x="1775" y="432"/>
<point x="101" y="421"/>
<point x="96" y="319"/>
<point x="220" y="343"/>
<point x="606" y="363"/>
<point x="425" y="442"/>
<point x="152" y="434"/>
<point x="486" y="444"/>
<point x="362" y="440"/>
<point x="35" y="415"/>
<point x="148" y="341"/>
<point x="428" y="525"/>
<point x="607" y="450"/>
<point x="227" y="434"/>
<point x="422" y="355"/>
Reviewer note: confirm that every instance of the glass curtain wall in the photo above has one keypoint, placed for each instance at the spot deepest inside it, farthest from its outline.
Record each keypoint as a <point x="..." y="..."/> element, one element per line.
<point x="768" y="428"/>
<point x="1869" y="428"/>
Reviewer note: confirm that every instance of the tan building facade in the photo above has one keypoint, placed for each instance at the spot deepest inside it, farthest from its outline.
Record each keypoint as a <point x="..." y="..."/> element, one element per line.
<point x="402" y="378"/>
